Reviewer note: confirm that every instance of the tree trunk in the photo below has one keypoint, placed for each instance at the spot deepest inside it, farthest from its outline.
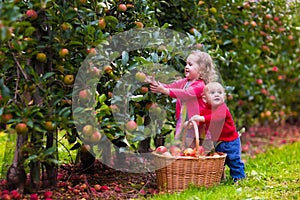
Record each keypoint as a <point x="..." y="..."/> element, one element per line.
<point x="16" y="175"/>
<point x="51" y="168"/>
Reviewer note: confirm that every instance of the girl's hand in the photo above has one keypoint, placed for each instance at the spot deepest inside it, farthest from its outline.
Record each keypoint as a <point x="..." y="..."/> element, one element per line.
<point x="197" y="118"/>
<point x="188" y="125"/>
<point x="151" y="80"/>
<point x="159" y="88"/>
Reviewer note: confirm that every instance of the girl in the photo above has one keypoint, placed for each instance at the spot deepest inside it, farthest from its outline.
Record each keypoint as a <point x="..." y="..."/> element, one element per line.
<point x="199" y="70"/>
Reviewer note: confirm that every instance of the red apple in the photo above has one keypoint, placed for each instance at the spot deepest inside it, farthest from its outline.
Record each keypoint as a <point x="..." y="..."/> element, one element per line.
<point x="201" y="150"/>
<point x="6" y="197"/>
<point x="122" y="7"/>
<point x="253" y="23"/>
<point x="63" y="52"/>
<point x="268" y="16"/>
<point x="6" y="117"/>
<point x="275" y="69"/>
<point x="276" y="19"/>
<point x="104" y="188"/>
<point x="175" y="151"/>
<point x="131" y="125"/>
<point x="34" y="197"/>
<point x="48" y="194"/>
<point x="49" y="126"/>
<point x="84" y="95"/>
<point x="264" y="91"/>
<point x="144" y="90"/>
<point x="97" y="187"/>
<point x="85" y="148"/>
<point x="139" y="24"/>
<point x="32" y="14"/>
<point x="91" y="51"/>
<point x="114" y="108"/>
<point x="15" y="194"/>
<point x="245" y="148"/>
<point x="265" y="48"/>
<point x="108" y="69"/>
<point x="192" y="30"/>
<point x="161" y="149"/>
<point x="189" y="152"/>
<point x="96" y="137"/>
<point x="102" y="23"/>
<point x="259" y="81"/>
<point x="21" y="128"/>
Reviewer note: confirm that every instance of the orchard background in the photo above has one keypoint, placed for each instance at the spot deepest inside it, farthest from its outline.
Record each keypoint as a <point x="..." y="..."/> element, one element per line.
<point x="255" y="46"/>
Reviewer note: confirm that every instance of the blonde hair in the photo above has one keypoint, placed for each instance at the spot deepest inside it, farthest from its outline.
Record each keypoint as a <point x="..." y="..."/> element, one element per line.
<point x="213" y="85"/>
<point x="207" y="71"/>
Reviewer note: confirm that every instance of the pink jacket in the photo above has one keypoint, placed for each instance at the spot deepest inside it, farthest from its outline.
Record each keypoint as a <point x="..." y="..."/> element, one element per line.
<point x="191" y="95"/>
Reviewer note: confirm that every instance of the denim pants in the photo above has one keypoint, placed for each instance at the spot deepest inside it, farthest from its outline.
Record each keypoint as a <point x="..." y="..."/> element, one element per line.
<point x="233" y="158"/>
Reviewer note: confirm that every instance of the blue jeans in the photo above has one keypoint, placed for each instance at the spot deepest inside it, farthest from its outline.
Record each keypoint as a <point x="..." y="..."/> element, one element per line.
<point x="233" y="158"/>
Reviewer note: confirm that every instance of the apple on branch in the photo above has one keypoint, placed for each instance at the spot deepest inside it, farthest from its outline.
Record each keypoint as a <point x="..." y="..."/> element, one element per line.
<point x="131" y="125"/>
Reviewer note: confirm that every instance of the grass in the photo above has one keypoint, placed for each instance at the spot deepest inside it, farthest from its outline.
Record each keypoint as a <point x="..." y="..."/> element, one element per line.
<point x="8" y="142"/>
<point x="272" y="175"/>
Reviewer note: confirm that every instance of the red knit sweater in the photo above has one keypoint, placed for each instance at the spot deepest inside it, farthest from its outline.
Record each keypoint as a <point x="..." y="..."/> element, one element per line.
<point x="219" y="123"/>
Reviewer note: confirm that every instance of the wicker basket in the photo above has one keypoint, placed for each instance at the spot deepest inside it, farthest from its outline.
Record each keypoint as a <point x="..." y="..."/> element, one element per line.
<point x="175" y="174"/>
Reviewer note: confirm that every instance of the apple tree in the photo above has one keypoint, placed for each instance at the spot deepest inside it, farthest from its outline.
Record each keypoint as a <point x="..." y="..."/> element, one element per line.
<point x="43" y="44"/>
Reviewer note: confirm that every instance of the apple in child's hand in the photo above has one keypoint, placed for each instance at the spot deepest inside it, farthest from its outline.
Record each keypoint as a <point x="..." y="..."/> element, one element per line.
<point x="175" y="151"/>
<point x="189" y="152"/>
<point x="161" y="149"/>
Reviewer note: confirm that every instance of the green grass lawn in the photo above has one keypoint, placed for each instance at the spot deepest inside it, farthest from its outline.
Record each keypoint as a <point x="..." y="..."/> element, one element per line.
<point x="272" y="175"/>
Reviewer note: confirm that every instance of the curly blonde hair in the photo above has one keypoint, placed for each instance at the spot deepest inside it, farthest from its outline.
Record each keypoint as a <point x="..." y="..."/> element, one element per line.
<point x="207" y="71"/>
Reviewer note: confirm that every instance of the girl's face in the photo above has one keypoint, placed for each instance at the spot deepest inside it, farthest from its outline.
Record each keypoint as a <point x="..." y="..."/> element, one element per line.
<point x="215" y="95"/>
<point x="192" y="67"/>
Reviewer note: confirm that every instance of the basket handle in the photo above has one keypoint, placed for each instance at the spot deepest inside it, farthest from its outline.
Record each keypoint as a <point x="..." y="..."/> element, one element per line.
<point x="196" y="131"/>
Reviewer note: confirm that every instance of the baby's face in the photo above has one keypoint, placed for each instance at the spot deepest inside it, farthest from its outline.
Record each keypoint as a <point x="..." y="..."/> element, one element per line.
<point x="215" y="96"/>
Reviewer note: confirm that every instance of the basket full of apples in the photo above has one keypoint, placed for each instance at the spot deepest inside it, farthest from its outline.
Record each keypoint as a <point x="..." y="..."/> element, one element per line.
<point x="178" y="167"/>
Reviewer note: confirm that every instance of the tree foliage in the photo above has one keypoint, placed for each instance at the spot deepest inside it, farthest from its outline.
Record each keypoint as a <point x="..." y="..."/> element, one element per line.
<point x="255" y="46"/>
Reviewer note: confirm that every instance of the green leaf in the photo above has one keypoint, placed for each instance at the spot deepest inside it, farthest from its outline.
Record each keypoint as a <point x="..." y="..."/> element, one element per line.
<point x="111" y="21"/>
<point x="5" y="91"/>
<point x="137" y="98"/>
<point x="138" y="138"/>
<point x="29" y="31"/>
<point x="76" y="43"/>
<point x="48" y="74"/>
<point x="30" y="123"/>
<point x="75" y="146"/>
<point x="49" y="151"/>
<point x="55" y="161"/>
<point x="32" y="157"/>
<point x="125" y="58"/>
<point x="140" y="120"/>
<point x="102" y="98"/>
